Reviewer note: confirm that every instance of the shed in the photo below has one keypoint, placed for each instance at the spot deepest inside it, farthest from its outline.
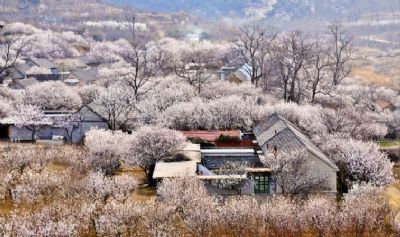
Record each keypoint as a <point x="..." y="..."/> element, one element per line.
<point x="188" y="167"/>
<point x="174" y="169"/>
<point x="89" y="119"/>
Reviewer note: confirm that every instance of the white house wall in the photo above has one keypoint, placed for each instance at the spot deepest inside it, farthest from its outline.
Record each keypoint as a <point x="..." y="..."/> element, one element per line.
<point x="322" y="167"/>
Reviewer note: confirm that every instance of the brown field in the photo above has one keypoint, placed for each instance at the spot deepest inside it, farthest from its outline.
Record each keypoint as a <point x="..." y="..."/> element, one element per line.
<point x="371" y="77"/>
<point x="393" y="193"/>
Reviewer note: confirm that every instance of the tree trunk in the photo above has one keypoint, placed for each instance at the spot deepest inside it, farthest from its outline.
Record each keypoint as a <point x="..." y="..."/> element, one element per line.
<point x="285" y="91"/>
<point x="33" y="134"/>
<point x="313" y="95"/>
<point x="292" y="91"/>
<point x="199" y="88"/>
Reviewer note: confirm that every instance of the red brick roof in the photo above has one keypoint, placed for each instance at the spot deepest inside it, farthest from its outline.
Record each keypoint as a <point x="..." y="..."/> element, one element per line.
<point x="211" y="136"/>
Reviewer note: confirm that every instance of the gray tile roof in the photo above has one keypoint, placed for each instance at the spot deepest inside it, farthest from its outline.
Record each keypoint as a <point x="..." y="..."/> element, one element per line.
<point x="23" y="69"/>
<point x="25" y="83"/>
<point x="42" y="62"/>
<point x="86" y="76"/>
<point x="217" y="162"/>
<point x="277" y="131"/>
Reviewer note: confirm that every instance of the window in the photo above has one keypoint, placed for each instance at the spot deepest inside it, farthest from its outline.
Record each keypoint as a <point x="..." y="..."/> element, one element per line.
<point x="261" y="183"/>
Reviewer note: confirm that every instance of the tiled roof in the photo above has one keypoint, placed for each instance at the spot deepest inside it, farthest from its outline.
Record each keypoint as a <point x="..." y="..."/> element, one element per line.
<point x="42" y="62"/>
<point x="87" y="75"/>
<point x="23" y="68"/>
<point x="383" y="104"/>
<point x="217" y="162"/>
<point x="211" y="136"/>
<point x="277" y="131"/>
<point x="25" y="83"/>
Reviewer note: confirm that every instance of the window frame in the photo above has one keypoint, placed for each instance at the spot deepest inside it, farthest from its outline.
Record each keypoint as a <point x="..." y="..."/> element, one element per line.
<point x="261" y="183"/>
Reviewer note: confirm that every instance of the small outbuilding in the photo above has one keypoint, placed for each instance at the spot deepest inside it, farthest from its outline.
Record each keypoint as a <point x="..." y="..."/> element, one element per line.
<point x="88" y="119"/>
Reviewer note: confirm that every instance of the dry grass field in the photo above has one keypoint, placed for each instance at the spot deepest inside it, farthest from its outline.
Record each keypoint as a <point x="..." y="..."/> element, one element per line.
<point x="393" y="193"/>
<point x="377" y="67"/>
<point x="143" y="192"/>
<point x="371" y="77"/>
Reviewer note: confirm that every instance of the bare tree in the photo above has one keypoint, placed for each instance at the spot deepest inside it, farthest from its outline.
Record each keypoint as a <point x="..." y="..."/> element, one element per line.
<point x="341" y="50"/>
<point x="11" y="48"/>
<point x="117" y="104"/>
<point x="291" y="57"/>
<point x="130" y="18"/>
<point x="194" y="65"/>
<point x="319" y="79"/>
<point x="144" y="59"/>
<point x="253" y="48"/>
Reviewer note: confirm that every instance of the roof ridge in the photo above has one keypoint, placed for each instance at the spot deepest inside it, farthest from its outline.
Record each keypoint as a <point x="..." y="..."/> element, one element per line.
<point x="287" y="122"/>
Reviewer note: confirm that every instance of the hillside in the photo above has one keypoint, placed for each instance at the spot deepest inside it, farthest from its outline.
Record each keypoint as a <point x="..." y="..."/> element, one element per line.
<point x="374" y="23"/>
<point x="106" y="21"/>
<point x="282" y="9"/>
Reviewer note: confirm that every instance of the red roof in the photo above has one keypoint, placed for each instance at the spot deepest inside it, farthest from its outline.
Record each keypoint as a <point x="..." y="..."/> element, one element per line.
<point x="211" y="136"/>
<point x="383" y="104"/>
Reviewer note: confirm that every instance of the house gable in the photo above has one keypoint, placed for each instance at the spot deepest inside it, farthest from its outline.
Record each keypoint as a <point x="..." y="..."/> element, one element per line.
<point x="89" y="115"/>
<point x="277" y="132"/>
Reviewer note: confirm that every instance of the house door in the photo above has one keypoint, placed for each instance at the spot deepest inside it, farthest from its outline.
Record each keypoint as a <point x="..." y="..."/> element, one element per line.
<point x="4" y="132"/>
<point x="261" y="183"/>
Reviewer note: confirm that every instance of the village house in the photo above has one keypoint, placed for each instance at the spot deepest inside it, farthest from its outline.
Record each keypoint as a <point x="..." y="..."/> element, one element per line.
<point x="388" y="107"/>
<point x="276" y="134"/>
<point x="32" y="71"/>
<point x="273" y="135"/>
<point x="31" y="66"/>
<point x="240" y="75"/>
<point x="233" y="74"/>
<point x="23" y="84"/>
<point x="87" y="119"/>
<point x="383" y="105"/>
<point x="82" y="77"/>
